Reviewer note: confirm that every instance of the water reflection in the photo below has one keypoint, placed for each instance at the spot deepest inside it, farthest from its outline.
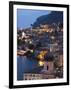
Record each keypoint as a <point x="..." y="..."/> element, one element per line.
<point x="25" y="64"/>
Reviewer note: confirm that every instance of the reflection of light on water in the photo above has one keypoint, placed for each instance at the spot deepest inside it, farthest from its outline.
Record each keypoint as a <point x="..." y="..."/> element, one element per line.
<point x="41" y="63"/>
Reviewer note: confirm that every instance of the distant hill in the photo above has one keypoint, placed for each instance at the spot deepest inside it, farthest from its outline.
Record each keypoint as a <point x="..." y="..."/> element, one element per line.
<point x="53" y="17"/>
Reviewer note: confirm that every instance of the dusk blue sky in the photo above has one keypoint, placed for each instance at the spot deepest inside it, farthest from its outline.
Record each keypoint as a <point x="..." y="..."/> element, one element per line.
<point x="26" y="17"/>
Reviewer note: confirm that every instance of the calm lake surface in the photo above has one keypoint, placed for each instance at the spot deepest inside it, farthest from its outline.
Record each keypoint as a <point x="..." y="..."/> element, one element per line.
<point x="25" y="64"/>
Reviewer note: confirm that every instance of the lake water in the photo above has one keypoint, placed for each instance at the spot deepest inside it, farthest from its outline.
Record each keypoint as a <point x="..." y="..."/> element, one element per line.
<point x="25" y="64"/>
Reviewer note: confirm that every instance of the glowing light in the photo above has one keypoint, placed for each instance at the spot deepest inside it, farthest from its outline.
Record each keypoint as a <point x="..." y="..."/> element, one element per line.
<point x="41" y="63"/>
<point x="30" y="42"/>
<point x="31" y="51"/>
<point x="26" y="40"/>
<point x="53" y="37"/>
<point x="41" y="55"/>
<point x="23" y="34"/>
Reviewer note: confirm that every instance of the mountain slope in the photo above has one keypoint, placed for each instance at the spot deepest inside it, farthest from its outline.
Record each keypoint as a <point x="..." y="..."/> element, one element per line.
<point x="53" y="17"/>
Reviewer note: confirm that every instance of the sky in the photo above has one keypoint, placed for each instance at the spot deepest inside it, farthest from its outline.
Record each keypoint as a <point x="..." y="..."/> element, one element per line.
<point x="26" y="17"/>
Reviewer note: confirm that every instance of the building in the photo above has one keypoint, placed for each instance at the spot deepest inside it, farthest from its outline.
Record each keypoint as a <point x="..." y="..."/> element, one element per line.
<point x="32" y="76"/>
<point x="59" y="62"/>
<point x="48" y="69"/>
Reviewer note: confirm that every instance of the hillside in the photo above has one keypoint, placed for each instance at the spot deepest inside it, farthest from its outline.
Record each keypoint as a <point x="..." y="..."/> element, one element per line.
<point x="53" y="17"/>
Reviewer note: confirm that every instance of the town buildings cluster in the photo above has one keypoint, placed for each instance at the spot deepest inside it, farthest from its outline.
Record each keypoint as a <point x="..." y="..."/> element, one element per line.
<point x="45" y="44"/>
